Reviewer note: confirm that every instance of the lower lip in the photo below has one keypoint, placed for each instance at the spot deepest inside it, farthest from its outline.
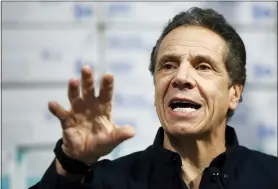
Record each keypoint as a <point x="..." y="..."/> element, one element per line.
<point x="184" y="114"/>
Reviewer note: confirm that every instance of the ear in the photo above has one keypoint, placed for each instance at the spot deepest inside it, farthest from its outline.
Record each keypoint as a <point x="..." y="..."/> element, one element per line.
<point x="235" y="93"/>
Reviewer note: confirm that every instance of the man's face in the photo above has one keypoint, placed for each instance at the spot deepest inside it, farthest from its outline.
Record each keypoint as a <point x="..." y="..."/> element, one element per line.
<point x="192" y="93"/>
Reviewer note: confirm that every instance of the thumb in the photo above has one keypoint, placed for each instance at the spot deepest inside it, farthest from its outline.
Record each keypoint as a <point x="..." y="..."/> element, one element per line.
<point x="123" y="133"/>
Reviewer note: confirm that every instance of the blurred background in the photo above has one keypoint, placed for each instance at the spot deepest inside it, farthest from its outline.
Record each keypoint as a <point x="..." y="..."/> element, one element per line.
<point x="44" y="44"/>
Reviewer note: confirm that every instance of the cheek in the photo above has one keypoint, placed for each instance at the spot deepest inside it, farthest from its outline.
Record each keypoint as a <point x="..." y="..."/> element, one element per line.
<point x="161" y="86"/>
<point x="159" y="99"/>
<point x="213" y="90"/>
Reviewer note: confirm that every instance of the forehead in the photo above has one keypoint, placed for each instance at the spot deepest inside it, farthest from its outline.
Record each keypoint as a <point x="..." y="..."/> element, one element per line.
<point x="191" y="40"/>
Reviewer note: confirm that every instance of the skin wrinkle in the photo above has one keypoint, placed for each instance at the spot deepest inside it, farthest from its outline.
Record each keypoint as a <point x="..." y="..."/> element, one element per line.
<point x="172" y="48"/>
<point x="190" y="55"/>
<point x="219" y="47"/>
<point x="194" y="41"/>
<point x="187" y="45"/>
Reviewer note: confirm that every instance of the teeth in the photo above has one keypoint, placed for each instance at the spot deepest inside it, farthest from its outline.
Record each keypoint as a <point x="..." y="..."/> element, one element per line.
<point x="184" y="109"/>
<point x="185" y="102"/>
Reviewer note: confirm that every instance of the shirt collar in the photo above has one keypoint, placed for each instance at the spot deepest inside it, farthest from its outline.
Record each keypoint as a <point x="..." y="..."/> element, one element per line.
<point x="163" y="155"/>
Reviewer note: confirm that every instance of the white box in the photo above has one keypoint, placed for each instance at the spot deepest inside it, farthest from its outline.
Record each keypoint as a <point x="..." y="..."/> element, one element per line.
<point x="49" y="12"/>
<point x="26" y="118"/>
<point x="78" y="39"/>
<point x="128" y="55"/>
<point x="261" y="51"/>
<point x="246" y="14"/>
<point x="260" y="13"/>
<point x="157" y="13"/>
<point x="47" y="55"/>
<point x="130" y="40"/>
<point x="131" y="72"/>
<point x="260" y="113"/>
<point x="263" y="105"/>
<point x="31" y="68"/>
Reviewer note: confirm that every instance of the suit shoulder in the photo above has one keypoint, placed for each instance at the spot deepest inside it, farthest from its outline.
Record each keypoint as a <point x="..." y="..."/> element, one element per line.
<point x="263" y="161"/>
<point x="263" y="157"/>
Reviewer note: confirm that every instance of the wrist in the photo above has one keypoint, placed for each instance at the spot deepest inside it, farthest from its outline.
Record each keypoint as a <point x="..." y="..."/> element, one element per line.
<point x="88" y="161"/>
<point x="64" y="173"/>
<point x="67" y="166"/>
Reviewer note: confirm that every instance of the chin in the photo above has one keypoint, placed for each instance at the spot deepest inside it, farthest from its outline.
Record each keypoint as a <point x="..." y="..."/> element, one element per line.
<point x="185" y="123"/>
<point x="184" y="129"/>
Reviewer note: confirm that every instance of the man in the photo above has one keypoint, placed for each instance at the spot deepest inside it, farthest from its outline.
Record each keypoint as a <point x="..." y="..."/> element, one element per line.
<point x="198" y="67"/>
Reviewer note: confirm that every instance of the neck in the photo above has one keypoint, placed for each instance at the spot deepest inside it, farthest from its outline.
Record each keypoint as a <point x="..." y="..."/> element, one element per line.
<point x="197" y="152"/>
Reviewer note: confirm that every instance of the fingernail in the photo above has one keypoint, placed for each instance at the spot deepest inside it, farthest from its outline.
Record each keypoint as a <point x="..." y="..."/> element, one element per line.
<point x="51" y="103"/>
<point x="109" y="73"/>
<point x="87" y="67"/>
<point x="73" y="81"/>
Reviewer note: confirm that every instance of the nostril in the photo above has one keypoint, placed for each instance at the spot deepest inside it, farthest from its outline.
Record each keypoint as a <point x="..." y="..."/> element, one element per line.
<point x="188" y="86"/>
<point x="182" y="86"/>
<point x="175" y="85"/>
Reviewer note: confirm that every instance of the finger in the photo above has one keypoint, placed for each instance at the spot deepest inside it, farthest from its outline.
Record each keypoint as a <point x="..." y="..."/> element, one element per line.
<point x="88" y="90"/>
<point x="57" y="110"/>
<point x="106" y="88"/>
<point x="123" y="133"/>
<point x="73" y="91"/>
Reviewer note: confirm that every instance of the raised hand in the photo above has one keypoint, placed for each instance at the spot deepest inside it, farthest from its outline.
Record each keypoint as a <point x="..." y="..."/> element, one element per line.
<point x="88" y="131"/>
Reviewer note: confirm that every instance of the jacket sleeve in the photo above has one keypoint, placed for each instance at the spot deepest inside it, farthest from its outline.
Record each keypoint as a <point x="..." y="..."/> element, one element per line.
<point x="52" y="180"/>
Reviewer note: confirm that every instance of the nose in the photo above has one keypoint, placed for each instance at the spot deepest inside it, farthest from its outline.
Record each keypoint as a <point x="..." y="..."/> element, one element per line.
<point x="183" y="78"/>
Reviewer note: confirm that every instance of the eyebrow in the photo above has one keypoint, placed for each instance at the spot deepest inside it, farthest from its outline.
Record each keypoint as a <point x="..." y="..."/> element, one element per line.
<point x="202" y="57"/>
<point x="169" y="57"/>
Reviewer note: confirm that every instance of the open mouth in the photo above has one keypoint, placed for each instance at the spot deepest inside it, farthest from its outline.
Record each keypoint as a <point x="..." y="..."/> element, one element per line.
<point x="184" y="106"/>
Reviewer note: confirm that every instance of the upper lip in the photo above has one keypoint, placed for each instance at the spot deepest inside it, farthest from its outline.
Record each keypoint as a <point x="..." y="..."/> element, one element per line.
<point x="182" y="99"/>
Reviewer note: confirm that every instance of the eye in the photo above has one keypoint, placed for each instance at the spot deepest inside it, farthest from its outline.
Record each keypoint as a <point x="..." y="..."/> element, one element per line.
<point x="168" y="66"/>
<point x="203" y="67"/>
